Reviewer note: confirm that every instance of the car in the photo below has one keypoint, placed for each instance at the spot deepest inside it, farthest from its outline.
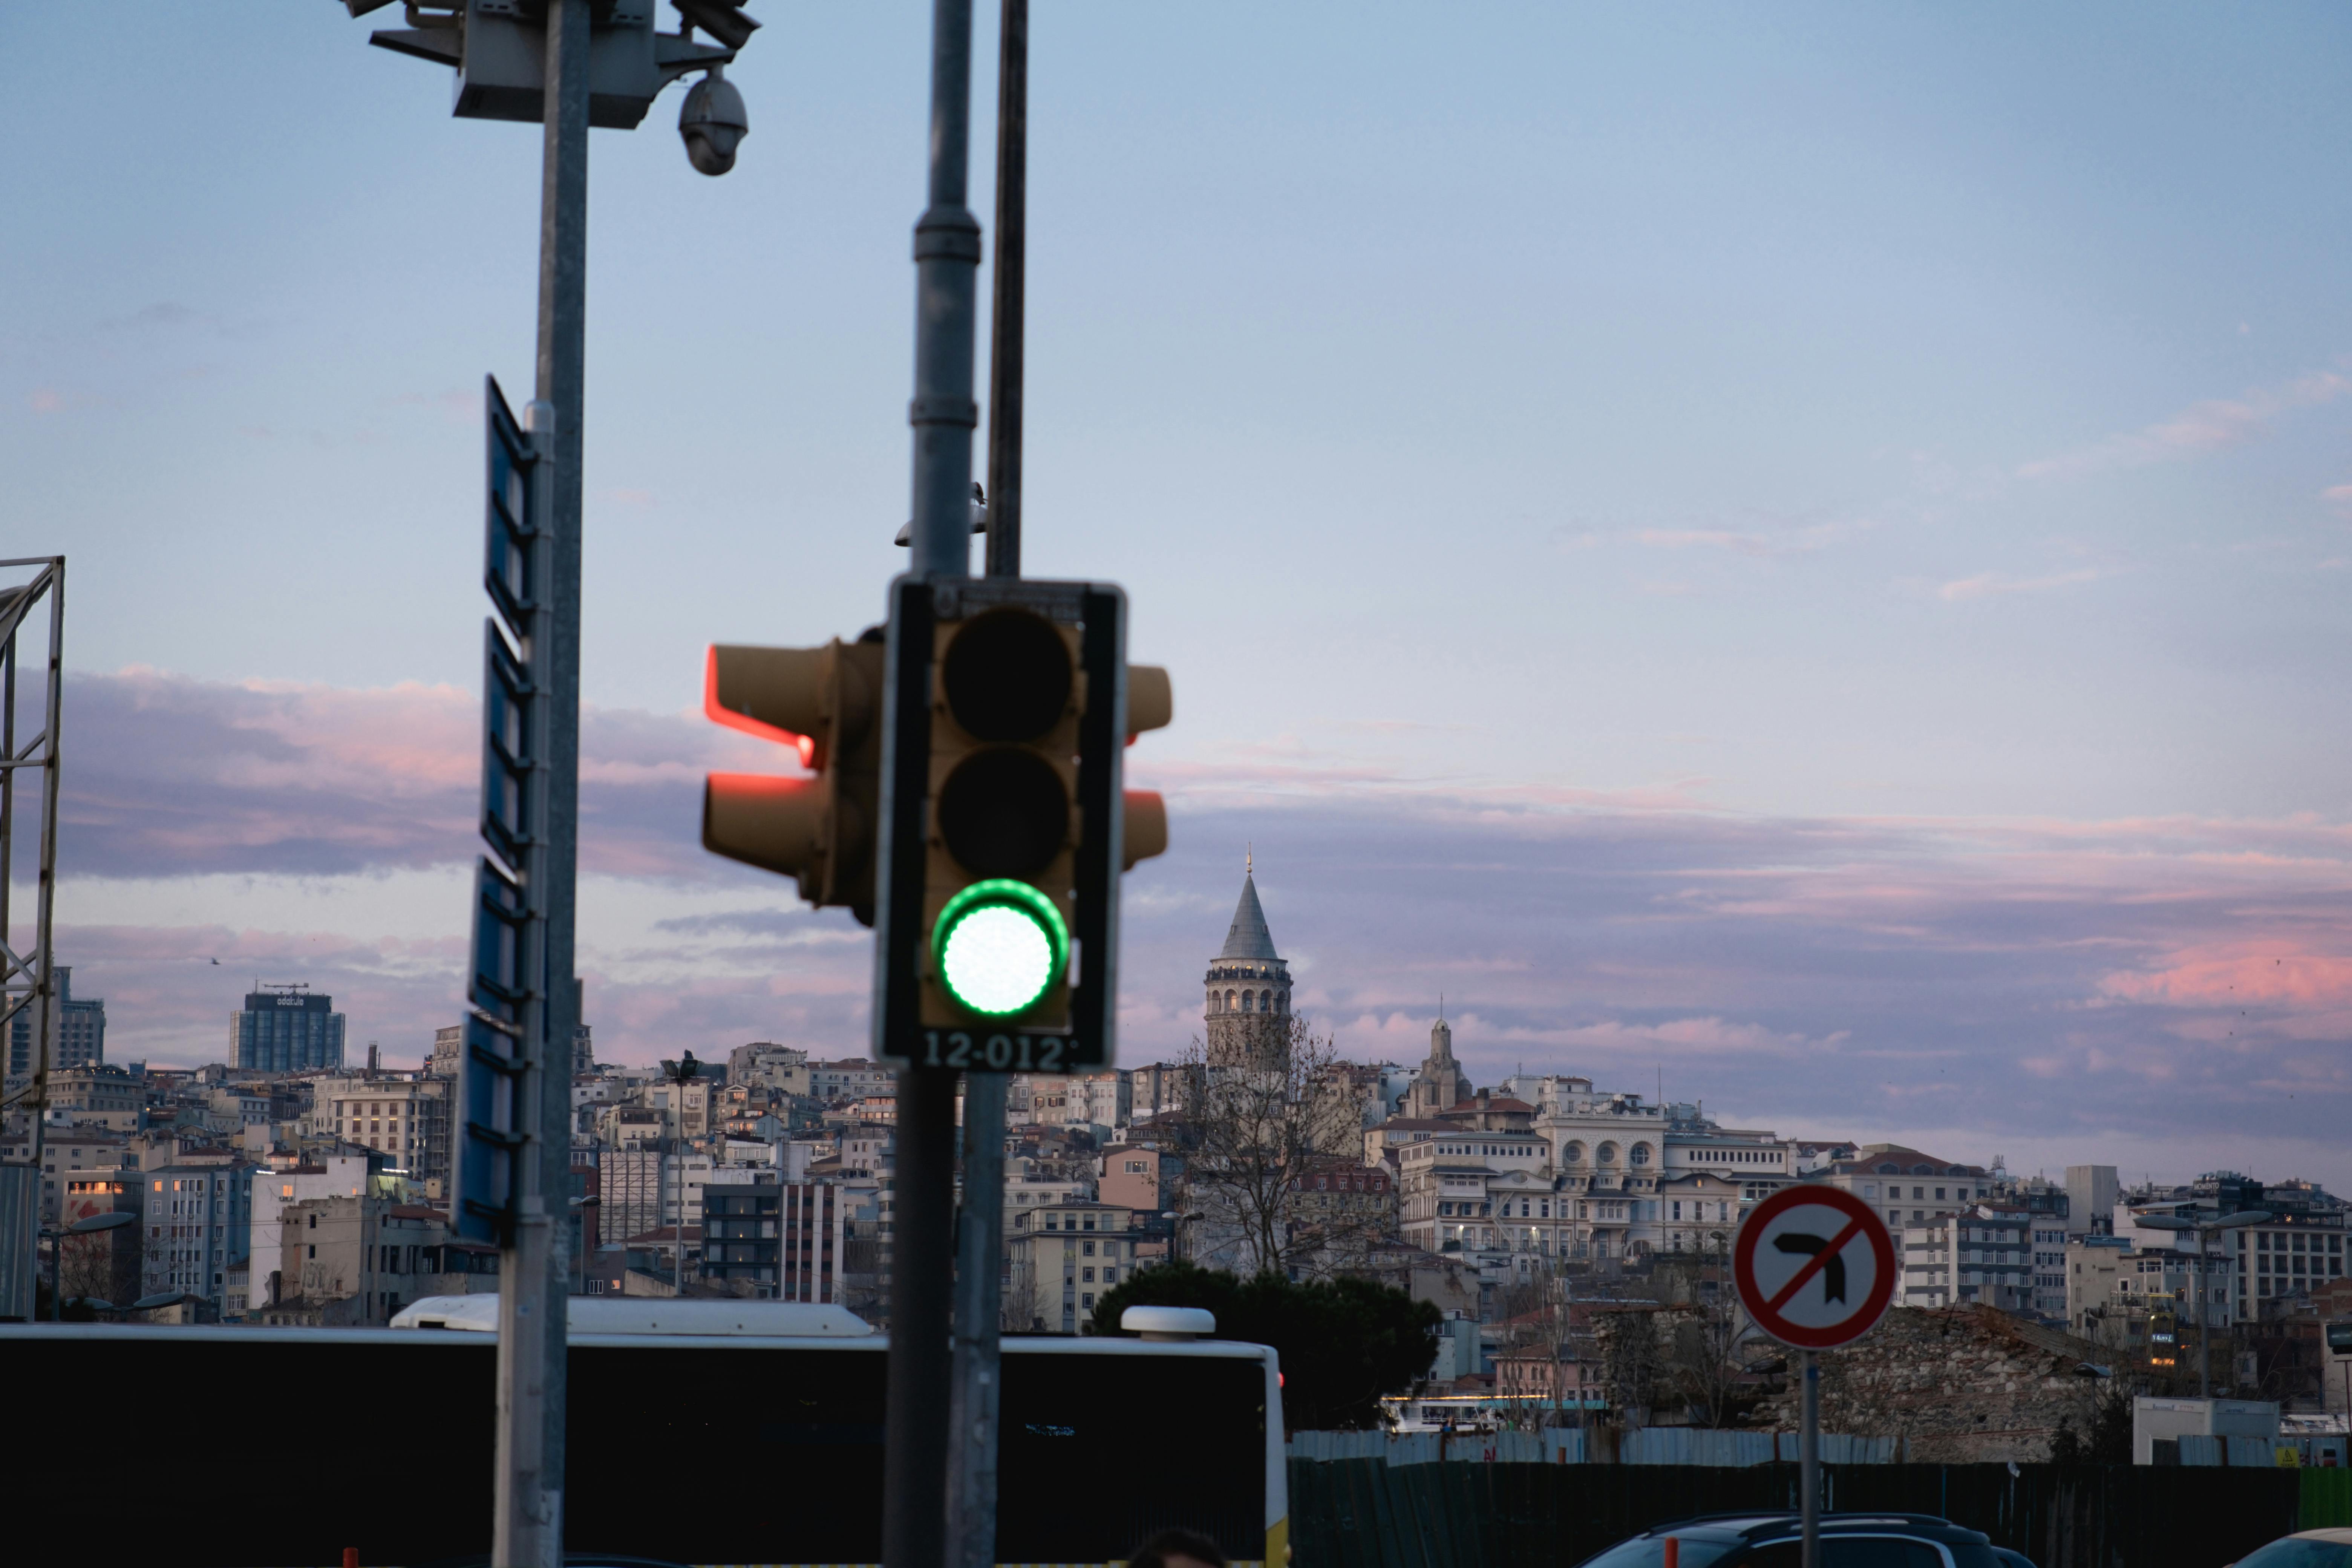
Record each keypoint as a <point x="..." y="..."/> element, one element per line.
<point x="2329" y="1548"/>
<point x="1775" y="1540"/>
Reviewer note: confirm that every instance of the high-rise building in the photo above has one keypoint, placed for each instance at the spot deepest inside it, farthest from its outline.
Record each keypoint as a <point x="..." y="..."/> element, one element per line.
<point x="77" y="1031"/>
<point x="1248" y="984"/>
<point x="287" y="1029"/>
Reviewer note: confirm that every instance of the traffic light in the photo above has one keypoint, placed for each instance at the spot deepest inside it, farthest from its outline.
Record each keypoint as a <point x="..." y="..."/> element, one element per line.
<point x="823" y="703"/>
<point x="1011" y="705"/>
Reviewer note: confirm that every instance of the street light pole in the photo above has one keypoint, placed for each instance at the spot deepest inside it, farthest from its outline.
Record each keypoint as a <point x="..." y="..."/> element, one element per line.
<point x="534" y="1265"/>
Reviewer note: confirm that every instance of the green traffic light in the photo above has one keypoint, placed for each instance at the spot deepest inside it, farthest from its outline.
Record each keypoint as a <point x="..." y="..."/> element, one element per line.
<point x="998" y="945"/>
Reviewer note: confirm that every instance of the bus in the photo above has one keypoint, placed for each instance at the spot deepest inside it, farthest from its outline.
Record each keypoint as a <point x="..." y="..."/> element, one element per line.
<point x="697" y="1432"/>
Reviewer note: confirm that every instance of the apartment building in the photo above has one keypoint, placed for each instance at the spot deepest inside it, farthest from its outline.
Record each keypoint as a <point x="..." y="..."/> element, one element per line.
<point x="67" y="1151"/>
<point x="1058" y="1267"/>
<point x="1450" y="1187"/>
<point x="742" y="1242"/>
<point x="2114" y="1289"/>
<point x="353" y="1260"/>
<point x="1981" y="1254"/>
<point x="101" y="1096"/>
<point x="198" y="1221"/>
<point x="1909" y="1188"/>
<point x="272" y="1190"/>
<point x="406" y="1115"/>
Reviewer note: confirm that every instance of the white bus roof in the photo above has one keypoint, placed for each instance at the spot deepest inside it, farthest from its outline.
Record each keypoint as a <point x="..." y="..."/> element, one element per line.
<point x="478" y="1315"/>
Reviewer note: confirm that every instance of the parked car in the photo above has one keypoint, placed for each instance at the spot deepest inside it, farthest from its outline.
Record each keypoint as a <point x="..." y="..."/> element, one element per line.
<point x="1773" y="1541"/>
<point x="2303" y="1549"/>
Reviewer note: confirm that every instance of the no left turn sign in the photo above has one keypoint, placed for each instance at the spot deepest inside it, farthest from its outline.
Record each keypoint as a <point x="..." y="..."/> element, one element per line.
<point x="1815" y="1267"/>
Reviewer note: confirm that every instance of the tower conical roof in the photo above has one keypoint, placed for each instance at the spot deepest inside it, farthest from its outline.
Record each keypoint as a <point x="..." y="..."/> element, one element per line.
<point x="1248" y="938"/>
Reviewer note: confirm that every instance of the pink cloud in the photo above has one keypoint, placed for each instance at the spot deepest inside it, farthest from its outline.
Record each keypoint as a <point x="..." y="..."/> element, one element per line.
<point x="2207" y="427"/>
<point x="172" y="775"/>
<point x="2238" y="974"/>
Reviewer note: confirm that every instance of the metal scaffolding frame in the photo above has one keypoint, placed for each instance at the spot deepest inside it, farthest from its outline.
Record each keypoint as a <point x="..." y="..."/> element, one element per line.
<point x="27" y="981"/>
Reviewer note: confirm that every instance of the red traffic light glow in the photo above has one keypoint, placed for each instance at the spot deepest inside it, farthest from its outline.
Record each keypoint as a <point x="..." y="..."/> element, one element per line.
<point x="804" y="745"/>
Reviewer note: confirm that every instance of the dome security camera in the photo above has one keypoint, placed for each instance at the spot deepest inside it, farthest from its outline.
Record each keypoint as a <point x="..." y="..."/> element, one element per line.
<point x="712" y="123"/>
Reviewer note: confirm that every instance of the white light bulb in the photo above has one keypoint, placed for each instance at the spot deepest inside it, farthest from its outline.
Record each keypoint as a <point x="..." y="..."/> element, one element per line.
<point x="998" y="959"/>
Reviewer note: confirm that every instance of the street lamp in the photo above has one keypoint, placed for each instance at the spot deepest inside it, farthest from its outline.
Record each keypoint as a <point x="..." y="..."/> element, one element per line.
<point x="56" y="1239"/>
<point x="2203" y="1228"/>
<point x="564" y="65"/>
<point x="680" y="1073"/>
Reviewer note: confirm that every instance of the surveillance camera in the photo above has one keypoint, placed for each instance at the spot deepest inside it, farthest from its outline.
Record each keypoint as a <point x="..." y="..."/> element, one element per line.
<point x="712" y="123"/>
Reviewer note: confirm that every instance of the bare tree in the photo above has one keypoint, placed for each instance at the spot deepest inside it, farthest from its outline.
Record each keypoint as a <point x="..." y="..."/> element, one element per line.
<point x="92" y="1264"/>
<point x="1632" y="1360"/>
<point x="1261" y="1120"/>
<point x="1024" y="1304"/>
<point x="1708" y="1340"/>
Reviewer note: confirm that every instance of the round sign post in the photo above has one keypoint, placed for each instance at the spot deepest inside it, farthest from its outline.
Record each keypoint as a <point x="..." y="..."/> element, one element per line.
<point x="1816" y="1268"/>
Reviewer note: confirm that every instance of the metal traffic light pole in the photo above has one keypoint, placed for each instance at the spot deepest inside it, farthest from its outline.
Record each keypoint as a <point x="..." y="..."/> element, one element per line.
<point x="943" y="414"/>
<point x="975" y="1396"/>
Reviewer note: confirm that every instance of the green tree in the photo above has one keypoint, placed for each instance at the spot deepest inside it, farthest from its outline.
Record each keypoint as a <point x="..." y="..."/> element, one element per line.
<point x="1343" y="1342"/>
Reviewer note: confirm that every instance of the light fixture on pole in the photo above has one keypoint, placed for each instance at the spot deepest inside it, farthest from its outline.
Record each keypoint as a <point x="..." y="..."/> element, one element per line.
<point x="680" y="1073"/>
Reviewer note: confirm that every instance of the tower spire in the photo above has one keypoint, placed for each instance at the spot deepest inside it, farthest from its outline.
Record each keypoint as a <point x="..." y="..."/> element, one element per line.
<point x="1249" y="858"/>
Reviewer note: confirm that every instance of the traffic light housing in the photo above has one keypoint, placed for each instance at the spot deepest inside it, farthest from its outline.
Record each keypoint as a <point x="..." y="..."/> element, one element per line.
<point x="1009" y="708"/>
<point x="825" y="704"/>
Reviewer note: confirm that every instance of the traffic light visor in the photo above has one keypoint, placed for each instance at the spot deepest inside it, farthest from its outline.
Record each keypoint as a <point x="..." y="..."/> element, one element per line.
<point x="715" y="683"/>
<point x="998" y="945"/>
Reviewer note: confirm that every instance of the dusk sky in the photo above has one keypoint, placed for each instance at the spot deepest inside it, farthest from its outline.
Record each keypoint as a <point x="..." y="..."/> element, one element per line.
<point x="1798" y="553"/>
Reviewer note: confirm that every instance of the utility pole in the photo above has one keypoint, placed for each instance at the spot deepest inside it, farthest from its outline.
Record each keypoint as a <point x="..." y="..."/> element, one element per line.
<point x="943" y="414"/>
<point x="514" y="1154"/>
<point x="534" y="1264"/>
<point x="977" y="1392"/>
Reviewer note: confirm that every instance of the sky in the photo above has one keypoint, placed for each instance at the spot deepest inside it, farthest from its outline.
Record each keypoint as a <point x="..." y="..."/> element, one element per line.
<point x="1789" y="554"/>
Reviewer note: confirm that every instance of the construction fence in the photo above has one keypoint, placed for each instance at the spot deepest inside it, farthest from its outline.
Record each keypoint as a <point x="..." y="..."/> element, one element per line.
<point x="1465" y="1513"/>
<point x="1571" y="1445"/>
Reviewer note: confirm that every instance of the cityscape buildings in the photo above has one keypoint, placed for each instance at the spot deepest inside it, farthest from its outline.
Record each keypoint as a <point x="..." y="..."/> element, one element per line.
<point x="285" y="1188"/>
